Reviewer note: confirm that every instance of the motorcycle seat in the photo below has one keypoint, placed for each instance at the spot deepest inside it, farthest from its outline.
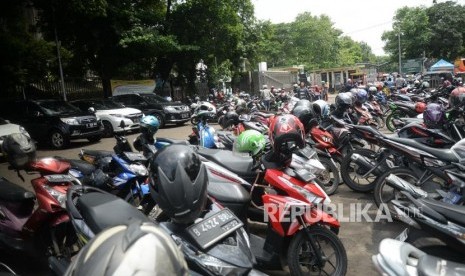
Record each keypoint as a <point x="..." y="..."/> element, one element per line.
<point x="11" y="192"/>
<point x="98" y="153"/>
<point x="172" y="141"/>
<point x="455" y="213"/>
<point x="228" y="192"/>
<point x="428" y="266"/>
<point x="240" y="165"/>
<point x="263" y="114"/>
<point x="101" y="210"/>
<point x="82" y="166"/>
<point x="443" y="154"/>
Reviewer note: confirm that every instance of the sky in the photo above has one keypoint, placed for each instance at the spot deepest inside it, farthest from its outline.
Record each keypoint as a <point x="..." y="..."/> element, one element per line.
<point x="363" y="20"/>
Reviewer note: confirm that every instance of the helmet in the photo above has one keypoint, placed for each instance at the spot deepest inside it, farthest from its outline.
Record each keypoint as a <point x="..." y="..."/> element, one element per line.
<point x="286" y="132"/>
<point x="265" y="86"/>
<point x="321" y="108"/>
<point x="295" y="85"/>
<point x="117" y="251"/>
<point x="416" y="82"/>
<point x="361" y="95"/>
<point x="425" y="84"/>
<point x="434" y="116"/>
<point x="457" y="97"/>
<point x="149" y="124"/>
<point x="178" y="183"/>
<point x="420" y="107"/>
<point x="343" y="100"/>
<point x="446" y="83"/>
<point x="250" y="141"/>
<point x="229" y="119"/>
<point x="304" y="112"/>
<point x="197" y="98"/>
<point x="19" y="150"/>
<point x="372" y="90"/>
<point x="379" y="86"/>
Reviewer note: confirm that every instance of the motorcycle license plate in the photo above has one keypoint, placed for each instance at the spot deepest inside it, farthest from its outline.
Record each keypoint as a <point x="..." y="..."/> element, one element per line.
<point x="184" y="115"/>
<point x="403" y="236"/>
<point x="214" y="228"/>
<point x="91" y="125"/>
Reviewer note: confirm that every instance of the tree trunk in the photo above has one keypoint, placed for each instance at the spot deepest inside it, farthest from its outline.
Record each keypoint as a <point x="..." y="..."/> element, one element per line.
<point x="106" y="84"/>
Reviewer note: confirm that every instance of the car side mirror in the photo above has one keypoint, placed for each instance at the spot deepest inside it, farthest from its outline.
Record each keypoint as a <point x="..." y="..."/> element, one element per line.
<point x="91" y="110"/>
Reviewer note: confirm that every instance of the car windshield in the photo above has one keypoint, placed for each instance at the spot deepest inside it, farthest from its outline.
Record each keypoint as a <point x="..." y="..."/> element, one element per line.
<point x="152" y="98"/>
<point x="110" y="104"/>
<point x="58" y="108"/>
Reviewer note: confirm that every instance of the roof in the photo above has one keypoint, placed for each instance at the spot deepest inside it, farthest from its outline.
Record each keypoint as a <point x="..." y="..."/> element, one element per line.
<point x="442" y="65"/>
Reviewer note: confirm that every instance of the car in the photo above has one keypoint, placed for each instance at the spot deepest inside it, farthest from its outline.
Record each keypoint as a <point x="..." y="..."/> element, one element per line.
<point x="152" y="104"/>
<point x="55" y="122"/>
<point x="7" y="128"/>
<point x="111" y="114"/>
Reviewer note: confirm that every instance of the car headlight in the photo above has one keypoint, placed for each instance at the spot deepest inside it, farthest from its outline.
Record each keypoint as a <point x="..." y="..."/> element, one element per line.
<point x="139" y="169"/>
<point x="70" y="121"/>
<point x="60" y="197"/>
<point x="117" y="115"/>
<point x="170" y="109"/>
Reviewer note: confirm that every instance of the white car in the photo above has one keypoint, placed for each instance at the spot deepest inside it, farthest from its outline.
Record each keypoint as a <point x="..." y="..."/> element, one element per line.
<point x="7" y="128"/>
<point x="111" y="114"/>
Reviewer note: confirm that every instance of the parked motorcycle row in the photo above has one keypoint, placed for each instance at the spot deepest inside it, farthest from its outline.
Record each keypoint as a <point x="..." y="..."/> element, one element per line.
<point x="195" y="199"/>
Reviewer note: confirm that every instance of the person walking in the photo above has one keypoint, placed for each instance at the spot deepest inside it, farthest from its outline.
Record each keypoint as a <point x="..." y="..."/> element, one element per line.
<point x="324" y="90"/>
<point x="302" y="92"/>
<point x="266" y="97"/>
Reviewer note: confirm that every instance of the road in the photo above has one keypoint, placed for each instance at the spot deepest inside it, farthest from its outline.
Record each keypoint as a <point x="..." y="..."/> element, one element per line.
<point x="360" y="238"/>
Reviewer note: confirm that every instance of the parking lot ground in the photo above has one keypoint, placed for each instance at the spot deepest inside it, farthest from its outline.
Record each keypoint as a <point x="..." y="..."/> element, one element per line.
<point x="360" y="237"/>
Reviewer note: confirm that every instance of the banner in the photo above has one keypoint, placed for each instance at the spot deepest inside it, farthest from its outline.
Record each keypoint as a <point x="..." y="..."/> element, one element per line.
<point x="119" y="87"/>
<point x="412" y="65"/>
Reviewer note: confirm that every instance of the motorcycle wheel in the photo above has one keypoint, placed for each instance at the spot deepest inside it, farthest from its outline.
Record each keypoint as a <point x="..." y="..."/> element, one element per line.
<point x="302" y="261"/>
<point x="389" y="120"/>
<point x="329" y="179"/>
<point x="384" y="193"/>
<point x="352" y="174"/>
<point x="194" y="120"/>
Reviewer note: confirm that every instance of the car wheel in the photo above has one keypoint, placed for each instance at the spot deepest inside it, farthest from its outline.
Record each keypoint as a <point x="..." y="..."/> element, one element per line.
<point x="160" y="119"/>
<point x="58" y="140"/>
<point x="94" y="139"/>
<point x="107" y="129"/>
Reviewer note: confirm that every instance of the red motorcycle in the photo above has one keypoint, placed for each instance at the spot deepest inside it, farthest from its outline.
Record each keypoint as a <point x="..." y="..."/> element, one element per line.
<point x="45" y="229"/>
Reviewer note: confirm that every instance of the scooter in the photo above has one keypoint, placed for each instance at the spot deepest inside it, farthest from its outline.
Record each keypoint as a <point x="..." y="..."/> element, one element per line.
<point x="43" y="228"/>
<point x="396" y="258"/>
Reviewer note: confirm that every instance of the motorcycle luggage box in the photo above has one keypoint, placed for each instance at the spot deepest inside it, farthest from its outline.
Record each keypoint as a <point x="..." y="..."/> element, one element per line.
<point x="102" y="210"/>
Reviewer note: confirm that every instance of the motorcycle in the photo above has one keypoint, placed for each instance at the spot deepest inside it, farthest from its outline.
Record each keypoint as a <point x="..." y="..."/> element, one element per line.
<point x="40" y="228"/>
<point x="203" y="134"/>
<point x="396" y="258"/>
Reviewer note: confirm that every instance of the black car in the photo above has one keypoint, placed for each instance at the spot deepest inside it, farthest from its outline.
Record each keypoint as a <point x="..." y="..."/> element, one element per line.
<point x="152" y="104"/>
<point x="53" y="121"/>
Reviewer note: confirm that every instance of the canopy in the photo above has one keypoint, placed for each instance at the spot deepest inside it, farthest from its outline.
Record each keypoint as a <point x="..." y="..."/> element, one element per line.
<point x="442" y="65"/>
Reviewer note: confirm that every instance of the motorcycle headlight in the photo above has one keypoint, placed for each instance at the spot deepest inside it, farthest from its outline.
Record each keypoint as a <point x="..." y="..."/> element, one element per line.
<point x="60" y="197"/>
<point x="70" y="121"/>
<point x="139" y="169"/>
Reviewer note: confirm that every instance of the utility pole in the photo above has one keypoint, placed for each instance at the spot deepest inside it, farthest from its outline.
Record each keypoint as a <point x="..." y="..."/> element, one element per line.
<point x="400" y="58"/>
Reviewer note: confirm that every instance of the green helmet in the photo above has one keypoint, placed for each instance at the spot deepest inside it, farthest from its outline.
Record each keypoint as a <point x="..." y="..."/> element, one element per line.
<point x="250" y="141"/>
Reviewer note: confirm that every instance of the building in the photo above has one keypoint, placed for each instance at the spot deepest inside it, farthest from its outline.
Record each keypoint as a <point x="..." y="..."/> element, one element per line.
<point x="336" y="77"/>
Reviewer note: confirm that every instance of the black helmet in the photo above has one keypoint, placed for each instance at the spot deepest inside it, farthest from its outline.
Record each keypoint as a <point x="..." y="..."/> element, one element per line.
<point x="178" y="181"/>
<point x="343" y="100"/>
<point x="229" y="119"/>
<point x="303" y="103"/>
<point x="19" y="150"/>
<point x="305" y="114"/>
<point x="117" y="251"/>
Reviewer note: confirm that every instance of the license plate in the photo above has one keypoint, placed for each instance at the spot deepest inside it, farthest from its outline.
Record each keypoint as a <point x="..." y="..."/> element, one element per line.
<point x="403" y="236"/>
<point x="184" y="115"/>
<point x="214" y="228"/>
<point x="90" y="125"/>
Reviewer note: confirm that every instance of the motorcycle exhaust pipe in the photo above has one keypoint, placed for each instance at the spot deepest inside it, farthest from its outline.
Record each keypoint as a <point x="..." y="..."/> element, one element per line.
<point x="400" y="184"/>
<point x="366" y="165"/>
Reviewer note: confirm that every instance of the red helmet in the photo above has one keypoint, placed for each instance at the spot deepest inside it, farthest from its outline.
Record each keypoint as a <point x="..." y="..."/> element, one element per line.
<point x="420" y="107"/>
<point x="457" y="97"/>
<point x="286" y="132"/>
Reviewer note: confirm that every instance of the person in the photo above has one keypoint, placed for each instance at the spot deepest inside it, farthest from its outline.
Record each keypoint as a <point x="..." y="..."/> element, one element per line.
<point x="302" y="92"/>
<point x="400" y="82"/>
<point x="316" y="95"/>
<point x="266" y="97"/>
<point x="149" y="126"/>
<point x="324" y="90"/>
<point x="349" y="85"/>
